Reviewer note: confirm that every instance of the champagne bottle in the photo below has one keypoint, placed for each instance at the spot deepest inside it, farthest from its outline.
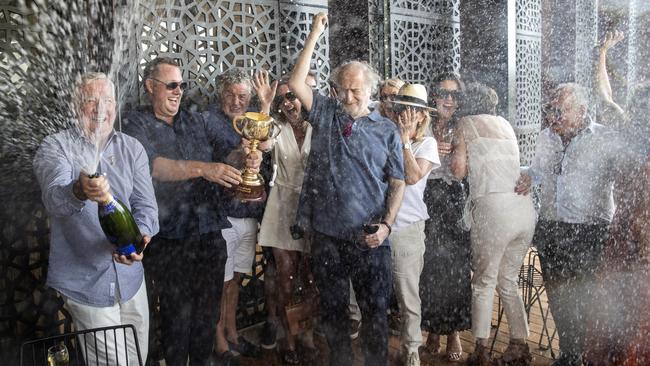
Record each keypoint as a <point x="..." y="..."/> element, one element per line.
<point x="119" y="227"/>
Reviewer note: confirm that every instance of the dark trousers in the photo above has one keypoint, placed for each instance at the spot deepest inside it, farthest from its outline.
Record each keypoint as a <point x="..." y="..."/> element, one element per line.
<point x="188" y="278"/>
<point x="569" y="255"/>
<point x="335" y="262"/>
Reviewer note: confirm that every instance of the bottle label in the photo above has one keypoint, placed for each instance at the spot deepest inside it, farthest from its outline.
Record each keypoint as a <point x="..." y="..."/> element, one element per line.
<point x="126" y="250"/>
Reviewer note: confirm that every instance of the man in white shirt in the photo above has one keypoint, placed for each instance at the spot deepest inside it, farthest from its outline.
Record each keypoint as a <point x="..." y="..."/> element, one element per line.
<point x="575" y="163"/>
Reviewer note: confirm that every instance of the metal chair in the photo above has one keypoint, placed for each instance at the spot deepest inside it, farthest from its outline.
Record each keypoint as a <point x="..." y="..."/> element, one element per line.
<point x="34" y="352"/>
<point x="531" y="284"/>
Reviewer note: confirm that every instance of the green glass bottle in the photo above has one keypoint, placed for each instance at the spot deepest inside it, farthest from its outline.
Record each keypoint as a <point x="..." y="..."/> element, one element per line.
<point x="120" y="228"/>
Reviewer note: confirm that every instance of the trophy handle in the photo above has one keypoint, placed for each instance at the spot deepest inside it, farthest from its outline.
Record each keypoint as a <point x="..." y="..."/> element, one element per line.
<point x="235" y="124"/>
<point x="276" y="130"/>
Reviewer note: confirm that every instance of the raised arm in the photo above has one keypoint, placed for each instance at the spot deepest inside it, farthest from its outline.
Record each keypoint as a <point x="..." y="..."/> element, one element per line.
<point x="602" y="78"/>
<point x="301" y="69"/>
<point x="264" y="89"/>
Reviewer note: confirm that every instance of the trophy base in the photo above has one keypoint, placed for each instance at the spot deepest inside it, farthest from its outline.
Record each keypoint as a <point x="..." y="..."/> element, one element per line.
<point x="246" y="193"/>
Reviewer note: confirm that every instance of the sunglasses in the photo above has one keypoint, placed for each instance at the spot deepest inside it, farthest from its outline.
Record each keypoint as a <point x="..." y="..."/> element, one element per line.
<point x="444" y="94"/>
<point x="173" y="85"/>
<point x="386" y="98"/>
<point x="290" y="96"/>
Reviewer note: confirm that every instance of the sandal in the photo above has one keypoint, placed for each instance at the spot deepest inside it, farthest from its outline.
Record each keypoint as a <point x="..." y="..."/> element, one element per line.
<point x="290" y="357"/>
<point x="455" y="351"/>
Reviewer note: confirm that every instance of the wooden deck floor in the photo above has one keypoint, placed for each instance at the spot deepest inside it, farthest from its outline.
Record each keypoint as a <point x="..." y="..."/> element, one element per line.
<point x="541" y="355"/>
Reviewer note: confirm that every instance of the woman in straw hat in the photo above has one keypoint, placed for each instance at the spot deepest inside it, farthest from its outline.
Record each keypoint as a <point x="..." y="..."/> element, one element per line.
<point x="411" y="113"/>
<point x="502" y="221"/>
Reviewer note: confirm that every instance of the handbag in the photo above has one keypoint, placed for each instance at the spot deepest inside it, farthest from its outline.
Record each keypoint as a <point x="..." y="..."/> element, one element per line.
<point x="305" y="302"/>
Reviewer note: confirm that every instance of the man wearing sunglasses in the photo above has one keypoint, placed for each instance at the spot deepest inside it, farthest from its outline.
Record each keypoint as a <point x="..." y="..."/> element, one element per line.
<point x="575" y="164"/>
<point x="188" y="255"/>
<point x="354" y="192"/>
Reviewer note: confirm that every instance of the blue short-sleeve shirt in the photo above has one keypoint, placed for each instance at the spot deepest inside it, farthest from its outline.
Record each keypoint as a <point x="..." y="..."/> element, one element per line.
<point x="348" y="170"/>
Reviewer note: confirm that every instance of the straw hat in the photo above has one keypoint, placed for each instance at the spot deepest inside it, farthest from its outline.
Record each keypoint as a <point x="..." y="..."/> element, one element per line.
<point x="413" y="95"/>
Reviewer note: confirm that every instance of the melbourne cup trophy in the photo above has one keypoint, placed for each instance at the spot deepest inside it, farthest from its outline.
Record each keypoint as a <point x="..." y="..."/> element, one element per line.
<point x="256" y="128"/>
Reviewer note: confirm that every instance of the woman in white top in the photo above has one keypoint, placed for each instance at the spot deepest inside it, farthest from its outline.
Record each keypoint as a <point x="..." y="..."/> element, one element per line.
<point x="410" y="110"/>
<point x="290" y="154"/>
<point x="502" y="222"/>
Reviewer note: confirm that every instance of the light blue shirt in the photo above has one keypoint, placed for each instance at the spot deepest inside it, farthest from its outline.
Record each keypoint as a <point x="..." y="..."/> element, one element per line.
<point x="81" y="265"/>
<point x="577" y="180"/>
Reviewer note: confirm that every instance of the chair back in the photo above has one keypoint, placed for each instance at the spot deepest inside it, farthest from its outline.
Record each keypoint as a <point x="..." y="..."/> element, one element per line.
<point x="97" y="340"/>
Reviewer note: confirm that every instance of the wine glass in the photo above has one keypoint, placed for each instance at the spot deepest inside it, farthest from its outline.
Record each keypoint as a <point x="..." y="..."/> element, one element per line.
<point x="57" y="355"/>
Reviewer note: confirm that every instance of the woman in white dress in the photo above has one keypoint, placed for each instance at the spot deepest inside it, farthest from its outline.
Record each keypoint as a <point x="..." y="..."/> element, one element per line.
<point x="502" y="222"/>
<point x="290" y="154"/>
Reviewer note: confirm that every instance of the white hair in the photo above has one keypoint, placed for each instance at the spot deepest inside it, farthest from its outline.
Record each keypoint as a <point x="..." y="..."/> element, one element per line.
<point x="580" y="93"/>
<point x="233" y="76"/>
<point x="88" y="77"/>
<point x="372" y="77"/>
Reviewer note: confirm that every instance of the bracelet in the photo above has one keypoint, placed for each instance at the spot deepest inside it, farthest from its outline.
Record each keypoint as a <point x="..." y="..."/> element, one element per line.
<point x="390" y="229"/>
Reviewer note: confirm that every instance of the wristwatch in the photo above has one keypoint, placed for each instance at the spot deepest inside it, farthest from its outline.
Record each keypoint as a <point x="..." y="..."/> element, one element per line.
<point x="407" y="146"/>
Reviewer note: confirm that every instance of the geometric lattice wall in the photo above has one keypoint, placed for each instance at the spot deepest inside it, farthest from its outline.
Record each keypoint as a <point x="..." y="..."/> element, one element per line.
<point x="527" y="118"/>
<point x="425" y="39"/>
<point x="208" y="37"/>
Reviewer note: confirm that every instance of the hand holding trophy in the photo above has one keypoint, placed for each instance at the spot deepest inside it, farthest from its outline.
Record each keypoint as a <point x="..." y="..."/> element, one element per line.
<point x="255" y="127"/>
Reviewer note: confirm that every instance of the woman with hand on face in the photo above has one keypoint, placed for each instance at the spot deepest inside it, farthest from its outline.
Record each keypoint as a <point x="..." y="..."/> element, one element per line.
<point x="411" y="113"/>
<point x="445" y="284"/>
<point x="290" y="154"/>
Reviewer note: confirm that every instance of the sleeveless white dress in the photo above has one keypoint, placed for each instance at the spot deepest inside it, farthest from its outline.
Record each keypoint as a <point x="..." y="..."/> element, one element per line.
<point x="282" y="204"/>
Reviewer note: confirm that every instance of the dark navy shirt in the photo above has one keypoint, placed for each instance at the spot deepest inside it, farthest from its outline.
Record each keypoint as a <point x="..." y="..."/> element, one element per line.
<point x="220" y="124"/>
<point x="348" y="170"/>
<point x="190" y="207"/>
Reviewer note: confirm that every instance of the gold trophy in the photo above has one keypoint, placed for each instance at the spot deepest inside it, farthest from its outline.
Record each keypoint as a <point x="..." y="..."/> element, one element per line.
<point x="256" y="128"/>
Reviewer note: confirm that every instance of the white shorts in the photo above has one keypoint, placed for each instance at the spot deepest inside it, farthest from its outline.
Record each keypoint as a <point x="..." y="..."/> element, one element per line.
<point x="241" y="240"/>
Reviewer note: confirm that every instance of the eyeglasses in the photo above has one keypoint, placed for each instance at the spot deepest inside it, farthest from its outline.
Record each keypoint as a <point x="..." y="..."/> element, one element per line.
<point x="444" y="94"/>
<point x="290" y="96"/>
<point x="173" y="85"/>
